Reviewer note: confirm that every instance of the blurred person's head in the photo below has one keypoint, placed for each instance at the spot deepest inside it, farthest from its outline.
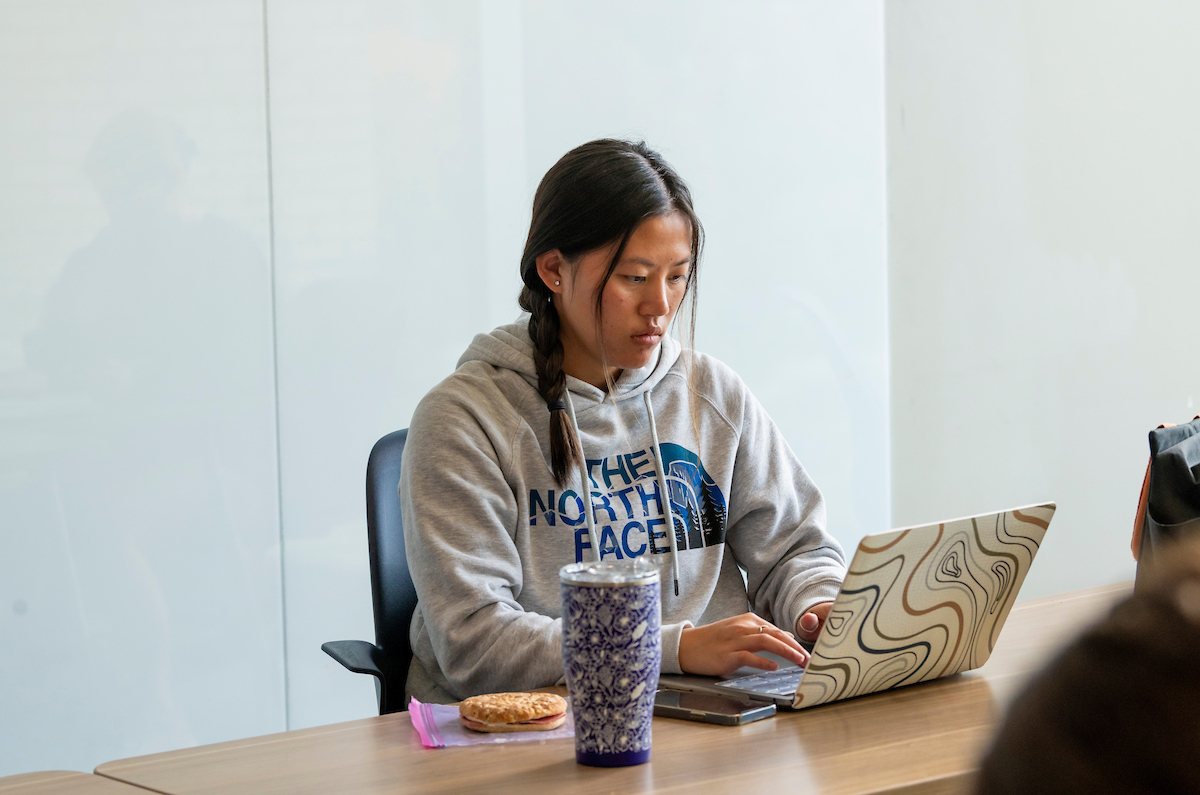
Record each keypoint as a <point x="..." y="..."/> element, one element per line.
<point x="138" y="161"/>
<point x="1118" y="711"/>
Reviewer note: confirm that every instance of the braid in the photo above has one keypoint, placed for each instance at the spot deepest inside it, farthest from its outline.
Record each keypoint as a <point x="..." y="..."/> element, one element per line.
<point x="552" y="381"/>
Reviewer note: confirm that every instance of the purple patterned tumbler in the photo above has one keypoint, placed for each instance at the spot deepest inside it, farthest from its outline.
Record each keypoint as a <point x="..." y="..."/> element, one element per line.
<point x="612" y="652"/>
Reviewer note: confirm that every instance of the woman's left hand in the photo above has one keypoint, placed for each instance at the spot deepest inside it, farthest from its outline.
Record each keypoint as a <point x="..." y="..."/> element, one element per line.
<point x="808" y="626"/>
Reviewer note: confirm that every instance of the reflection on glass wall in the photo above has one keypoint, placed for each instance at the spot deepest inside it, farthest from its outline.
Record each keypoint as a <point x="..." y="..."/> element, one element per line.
<point x="139" y="574"/>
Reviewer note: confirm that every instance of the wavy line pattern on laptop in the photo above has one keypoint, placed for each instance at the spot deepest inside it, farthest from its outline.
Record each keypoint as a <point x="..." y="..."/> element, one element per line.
<point x="942" y="598"/>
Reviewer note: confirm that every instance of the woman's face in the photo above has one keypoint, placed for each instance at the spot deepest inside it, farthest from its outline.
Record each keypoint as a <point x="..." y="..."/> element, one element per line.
<point x="639" y="302"/>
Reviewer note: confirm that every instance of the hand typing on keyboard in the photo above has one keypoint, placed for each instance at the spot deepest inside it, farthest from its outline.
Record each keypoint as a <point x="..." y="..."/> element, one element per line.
<point x="722" y="647"/>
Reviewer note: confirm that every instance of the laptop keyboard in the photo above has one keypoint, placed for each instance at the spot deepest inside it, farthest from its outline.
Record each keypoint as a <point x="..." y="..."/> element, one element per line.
<point x="783" y="682"/>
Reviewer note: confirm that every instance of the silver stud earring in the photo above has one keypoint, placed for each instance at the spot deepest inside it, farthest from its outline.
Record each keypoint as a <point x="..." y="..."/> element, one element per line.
<point x="556" y="284"/>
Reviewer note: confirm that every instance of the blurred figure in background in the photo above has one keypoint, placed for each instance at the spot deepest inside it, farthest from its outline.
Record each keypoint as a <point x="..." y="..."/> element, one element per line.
<point x="154" y="349"/>
<point x="1119" y="710"/>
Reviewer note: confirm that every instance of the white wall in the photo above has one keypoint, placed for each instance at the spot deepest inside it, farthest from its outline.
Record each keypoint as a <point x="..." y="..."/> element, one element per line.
<point x="408" y="139"/>
<point x="140" y="605"/>
<point x="142" y="597"/>
<point x="1044" y="261"/>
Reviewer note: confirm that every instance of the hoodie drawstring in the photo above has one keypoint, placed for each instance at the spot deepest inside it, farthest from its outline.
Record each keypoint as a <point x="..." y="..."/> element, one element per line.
<point x="665" y="495"/>
<point x="586" y="487"/>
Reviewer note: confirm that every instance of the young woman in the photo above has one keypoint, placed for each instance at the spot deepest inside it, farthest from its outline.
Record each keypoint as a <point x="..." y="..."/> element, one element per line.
<point x="585" y="433"/>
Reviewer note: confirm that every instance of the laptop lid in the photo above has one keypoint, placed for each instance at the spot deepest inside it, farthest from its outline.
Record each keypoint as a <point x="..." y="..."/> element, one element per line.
<point x="918" y="603"/>
<point x="921" y="603"/>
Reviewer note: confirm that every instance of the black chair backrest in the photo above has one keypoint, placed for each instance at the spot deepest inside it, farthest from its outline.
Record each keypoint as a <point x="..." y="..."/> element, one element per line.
<point x="392" y="590"/>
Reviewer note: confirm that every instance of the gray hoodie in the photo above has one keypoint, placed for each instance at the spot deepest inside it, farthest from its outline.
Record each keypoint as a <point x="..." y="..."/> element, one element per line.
<point x="486" y="527"/>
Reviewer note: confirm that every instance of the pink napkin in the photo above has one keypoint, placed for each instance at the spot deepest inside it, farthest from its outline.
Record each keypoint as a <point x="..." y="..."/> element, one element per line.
<point x="438" y="726"/>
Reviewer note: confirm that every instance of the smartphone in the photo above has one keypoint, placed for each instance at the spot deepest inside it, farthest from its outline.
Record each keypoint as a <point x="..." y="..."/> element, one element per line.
<point x="709" y="708"/>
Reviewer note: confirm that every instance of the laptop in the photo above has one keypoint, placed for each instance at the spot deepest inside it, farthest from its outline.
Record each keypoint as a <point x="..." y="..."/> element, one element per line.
<point x="917" y="604"/>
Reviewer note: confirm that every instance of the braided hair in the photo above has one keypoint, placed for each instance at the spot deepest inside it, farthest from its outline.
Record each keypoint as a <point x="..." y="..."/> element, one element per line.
<point x="595" y="195"/>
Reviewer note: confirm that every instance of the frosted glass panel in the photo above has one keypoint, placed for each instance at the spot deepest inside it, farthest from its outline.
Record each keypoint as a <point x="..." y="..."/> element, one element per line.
<point x="773" y="113"/>
<point x="408" y="139"/>
<point x="1044" y="249"/>
<point x="139" y="563"/>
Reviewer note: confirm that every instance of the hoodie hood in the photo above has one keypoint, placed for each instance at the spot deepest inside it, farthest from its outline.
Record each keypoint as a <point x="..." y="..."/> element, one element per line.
<point x="511" y="348"/>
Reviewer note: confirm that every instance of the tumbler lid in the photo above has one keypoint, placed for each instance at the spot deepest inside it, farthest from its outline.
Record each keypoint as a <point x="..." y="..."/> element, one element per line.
<point x="637" y="571"/>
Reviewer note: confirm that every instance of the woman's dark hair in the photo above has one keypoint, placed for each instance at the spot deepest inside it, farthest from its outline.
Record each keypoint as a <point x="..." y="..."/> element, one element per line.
<point x="595" y="195"/>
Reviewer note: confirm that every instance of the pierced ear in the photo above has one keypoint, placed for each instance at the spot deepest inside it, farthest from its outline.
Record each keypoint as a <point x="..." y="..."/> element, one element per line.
<point x="550" y="268"/>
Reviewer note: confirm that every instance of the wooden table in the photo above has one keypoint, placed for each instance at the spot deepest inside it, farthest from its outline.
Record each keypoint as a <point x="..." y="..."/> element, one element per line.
<point x="64" y="782"/>
<point x="924" y="738"/>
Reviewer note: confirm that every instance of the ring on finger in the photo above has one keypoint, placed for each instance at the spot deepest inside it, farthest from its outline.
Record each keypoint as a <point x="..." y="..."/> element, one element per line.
<point x="762" y="628"/>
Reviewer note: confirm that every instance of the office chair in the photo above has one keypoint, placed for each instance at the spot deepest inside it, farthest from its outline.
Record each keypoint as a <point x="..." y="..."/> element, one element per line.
<point x="393" y="595"/>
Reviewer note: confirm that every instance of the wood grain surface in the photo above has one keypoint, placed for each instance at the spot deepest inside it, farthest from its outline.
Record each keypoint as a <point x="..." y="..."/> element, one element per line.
<point x="64" y="782"/>
<point x="920" y="739"/>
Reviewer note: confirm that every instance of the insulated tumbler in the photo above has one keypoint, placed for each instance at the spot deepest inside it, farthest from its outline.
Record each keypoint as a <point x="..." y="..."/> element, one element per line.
<point x="612" y="652"/>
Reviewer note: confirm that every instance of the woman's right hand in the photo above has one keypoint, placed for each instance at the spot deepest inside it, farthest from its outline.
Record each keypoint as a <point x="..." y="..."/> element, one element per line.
<point x="720" y="648"/>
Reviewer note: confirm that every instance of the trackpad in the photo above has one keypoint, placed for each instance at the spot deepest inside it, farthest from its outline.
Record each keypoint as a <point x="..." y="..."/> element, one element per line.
<point x="746" y="670"/>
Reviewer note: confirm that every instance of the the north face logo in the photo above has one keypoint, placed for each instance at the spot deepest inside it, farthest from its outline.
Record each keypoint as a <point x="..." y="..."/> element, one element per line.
<point x="630" y="519"/>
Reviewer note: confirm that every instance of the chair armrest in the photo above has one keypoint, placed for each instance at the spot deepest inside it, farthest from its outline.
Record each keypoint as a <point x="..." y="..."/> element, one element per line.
<point x="356" y="655"/>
